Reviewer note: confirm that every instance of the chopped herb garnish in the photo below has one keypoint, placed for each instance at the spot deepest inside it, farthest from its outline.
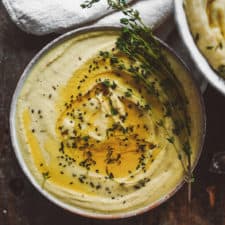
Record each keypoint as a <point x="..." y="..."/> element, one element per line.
<point x="46" y="175"/>
<point x="106" y="83"/>
<point x="221" y="70"/>
<point x="171" y="140"/>
<point x="114" y="111"/>
<point x="197" y="36"/>
<point x="128" y="94"/>
<point x="209" y="47"/>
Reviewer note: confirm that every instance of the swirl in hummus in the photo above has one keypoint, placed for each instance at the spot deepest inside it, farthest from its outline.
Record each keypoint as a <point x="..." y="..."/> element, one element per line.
<point x="207" y="23"/>
<point x="92" y="137"/>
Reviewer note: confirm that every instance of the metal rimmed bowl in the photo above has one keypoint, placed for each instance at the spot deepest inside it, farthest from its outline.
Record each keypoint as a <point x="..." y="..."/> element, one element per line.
<point x="200" y="61"/>
<point x="193" y="95"/>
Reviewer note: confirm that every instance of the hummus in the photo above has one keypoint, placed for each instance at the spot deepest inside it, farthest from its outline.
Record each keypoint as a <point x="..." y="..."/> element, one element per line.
<point x="207" y="23"/>
<point x="91" y="136"/>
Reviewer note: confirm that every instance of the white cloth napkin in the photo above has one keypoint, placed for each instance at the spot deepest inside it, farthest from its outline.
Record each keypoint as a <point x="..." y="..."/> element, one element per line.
<point x="41" y="17"/>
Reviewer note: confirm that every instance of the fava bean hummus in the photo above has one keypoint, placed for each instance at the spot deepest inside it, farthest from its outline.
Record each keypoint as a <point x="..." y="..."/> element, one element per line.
<point x="207" y="23"/>
<point x="94" y="137"/>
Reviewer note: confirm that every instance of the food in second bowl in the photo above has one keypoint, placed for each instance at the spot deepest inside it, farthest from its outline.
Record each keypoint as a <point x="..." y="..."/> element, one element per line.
<point x="207" y="23"/>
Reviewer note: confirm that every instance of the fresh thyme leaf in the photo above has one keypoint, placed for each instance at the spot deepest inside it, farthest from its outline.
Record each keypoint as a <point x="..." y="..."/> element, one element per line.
<point x="124" y="21"/>
<point x="104" y="54"/>
<point x="106" y="83"/>
<point x="209" y="47"/>
<point x="113" y="60"/>
<point x="187" y="148"/>
<point x="85" y="138"/>
<point x="171" y="140"/>
<point x="128" y="94"/>
<point x="197" y="36"/>
<point x="160" y="123"/>
<point x="113" y="85"/>
<point x="221" y="70"/>
<point x="88" y="4"/>
<point x="46" y="175"/>
<point x="114" y="111"/>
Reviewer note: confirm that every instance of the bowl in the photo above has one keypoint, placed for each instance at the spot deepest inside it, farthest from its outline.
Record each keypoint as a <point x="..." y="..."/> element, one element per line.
<point x="193" y="95"/>
<point x="200" y="61"/>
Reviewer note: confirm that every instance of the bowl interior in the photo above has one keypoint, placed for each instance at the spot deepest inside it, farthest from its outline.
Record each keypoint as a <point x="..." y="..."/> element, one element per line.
<point x="195" y="92"/>
<point x="200" y="61"/>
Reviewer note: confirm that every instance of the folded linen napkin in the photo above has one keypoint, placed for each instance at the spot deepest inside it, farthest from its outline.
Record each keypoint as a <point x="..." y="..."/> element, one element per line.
<point x="41" y="17"/>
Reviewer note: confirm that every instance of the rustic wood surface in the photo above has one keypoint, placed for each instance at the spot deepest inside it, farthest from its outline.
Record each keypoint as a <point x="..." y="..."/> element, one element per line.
<point x="21" y="204"/>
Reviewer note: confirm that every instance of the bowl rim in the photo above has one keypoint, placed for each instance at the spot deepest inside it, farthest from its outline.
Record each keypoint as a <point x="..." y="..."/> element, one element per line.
<point x="198" y="58"/>
<point x="22" y="163"/>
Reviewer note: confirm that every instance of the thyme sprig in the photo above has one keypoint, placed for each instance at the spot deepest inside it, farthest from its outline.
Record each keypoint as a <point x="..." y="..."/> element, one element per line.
<point x="46" y="176"/>
<point x="138" y="43"/>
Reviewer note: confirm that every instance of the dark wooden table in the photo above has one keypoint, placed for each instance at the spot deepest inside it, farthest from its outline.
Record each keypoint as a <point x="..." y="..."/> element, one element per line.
<point x="21" y="204"/>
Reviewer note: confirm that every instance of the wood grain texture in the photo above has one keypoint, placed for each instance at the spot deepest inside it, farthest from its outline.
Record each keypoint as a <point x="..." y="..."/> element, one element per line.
<point x="21" y="204"/>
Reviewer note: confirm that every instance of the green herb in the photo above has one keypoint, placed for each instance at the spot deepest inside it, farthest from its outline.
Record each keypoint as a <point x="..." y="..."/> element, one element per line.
<point x="209" y="47"/>
<point x="170" y="140"/>
<point x="187" y="148"/>
<point x="128" y="94"/>
<point x="111" y="176"/>
<point x="114" y="85"/>
<point x="104" y="54"/>
<point x="197" y="36"/>
<point x="147" y="58"/>
<point x="221" y="70"/>
<point x="113" y="60"/>
<point x="85" y="138"/>
<point x="107" y="83"/>
<point x="114" y="111"/>
<point x="46" y="176"/>
<point x="219" y="46"/>
<point x="160" y="123"/>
